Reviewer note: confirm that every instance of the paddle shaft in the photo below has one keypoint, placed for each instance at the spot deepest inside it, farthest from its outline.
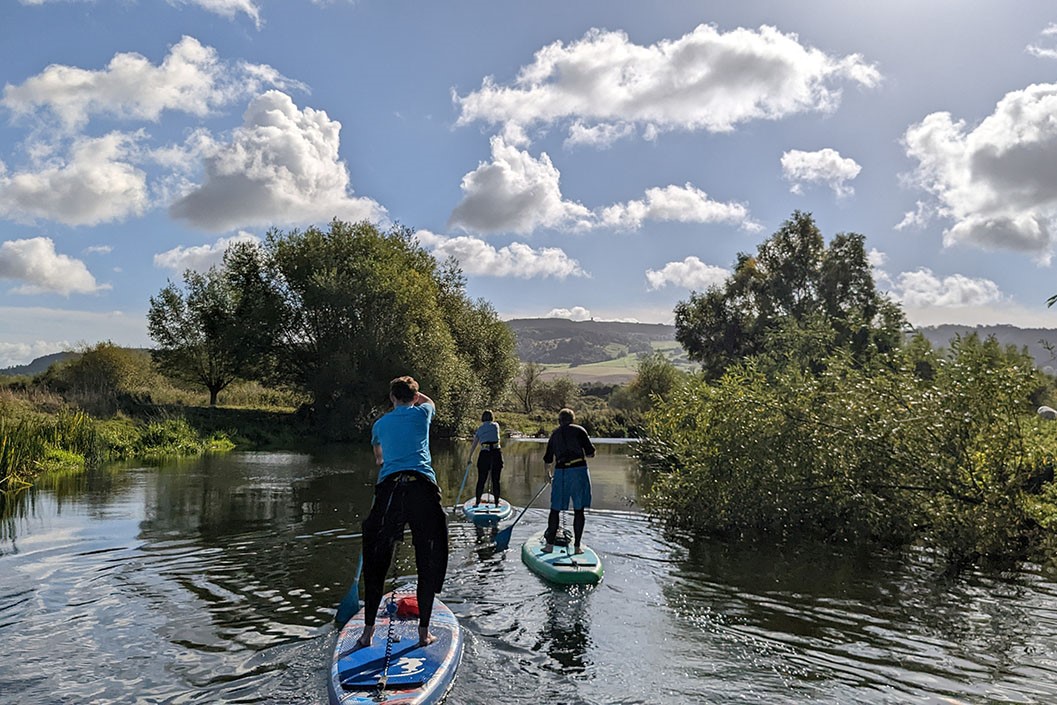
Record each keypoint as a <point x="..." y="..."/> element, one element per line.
<point x="466" y="474"/>
<point x="350" y="604"/>
<point x="502" y="539"/>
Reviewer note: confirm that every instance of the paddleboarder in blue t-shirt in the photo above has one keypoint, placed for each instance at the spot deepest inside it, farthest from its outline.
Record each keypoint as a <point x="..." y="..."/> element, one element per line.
<point x="568" y="449"/>
<point x="406" y="493"/>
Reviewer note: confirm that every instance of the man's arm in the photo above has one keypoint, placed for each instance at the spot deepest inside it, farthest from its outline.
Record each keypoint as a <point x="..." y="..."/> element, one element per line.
<point x="421" y="398"/>
<point x="377" y="455"/>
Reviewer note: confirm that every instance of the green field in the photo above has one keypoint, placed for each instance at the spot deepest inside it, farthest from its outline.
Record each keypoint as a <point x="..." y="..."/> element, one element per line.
<point x="619" y="369"/>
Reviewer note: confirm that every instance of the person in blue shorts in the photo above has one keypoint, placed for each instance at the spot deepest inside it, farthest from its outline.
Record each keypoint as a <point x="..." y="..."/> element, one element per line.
<point x="490" y="459"/>
<point x="568" y="450"/>
<point x="406" y="493"/>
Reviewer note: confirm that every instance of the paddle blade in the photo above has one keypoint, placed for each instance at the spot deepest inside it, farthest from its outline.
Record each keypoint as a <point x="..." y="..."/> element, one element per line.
<point x="350" y="604"/>
<point x="502" y="538"/>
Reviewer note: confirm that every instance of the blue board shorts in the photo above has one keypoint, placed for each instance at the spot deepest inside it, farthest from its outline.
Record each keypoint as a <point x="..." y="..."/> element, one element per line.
<point x="571" y="484"/>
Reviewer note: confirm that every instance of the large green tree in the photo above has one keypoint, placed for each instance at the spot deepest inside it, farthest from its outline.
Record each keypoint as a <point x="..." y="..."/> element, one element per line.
<point x="352" y="306"/>
<point x="796" y="301"/>
<point x="201" y="333"/>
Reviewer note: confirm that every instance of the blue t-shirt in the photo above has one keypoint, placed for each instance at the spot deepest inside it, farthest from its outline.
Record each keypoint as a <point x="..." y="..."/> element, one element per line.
<point x="403" y="434"/>
<point x="488" y="432"/>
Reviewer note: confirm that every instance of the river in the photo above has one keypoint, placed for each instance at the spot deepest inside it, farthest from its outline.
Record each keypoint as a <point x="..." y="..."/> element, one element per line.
<point x="214" y="580"/>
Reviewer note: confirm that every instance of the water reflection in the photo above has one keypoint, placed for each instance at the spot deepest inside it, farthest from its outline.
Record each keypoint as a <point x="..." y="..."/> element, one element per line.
<point x="215" y="579"/>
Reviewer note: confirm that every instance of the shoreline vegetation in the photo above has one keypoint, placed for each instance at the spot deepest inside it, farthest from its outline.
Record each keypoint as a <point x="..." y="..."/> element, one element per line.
<point x="799" y="403"/>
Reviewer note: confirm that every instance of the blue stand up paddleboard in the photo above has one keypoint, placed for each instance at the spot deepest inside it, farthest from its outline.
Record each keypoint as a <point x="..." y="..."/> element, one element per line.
<point x="417" y="675"/>
<point x="487" y="512"/>
<point x="561" y="565"/>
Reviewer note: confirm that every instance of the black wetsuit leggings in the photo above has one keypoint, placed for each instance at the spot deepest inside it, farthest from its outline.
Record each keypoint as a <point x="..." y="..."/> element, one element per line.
<point x="489" y="463"/>
<point x="405" y="499"/>
<point x="552" y="526"/>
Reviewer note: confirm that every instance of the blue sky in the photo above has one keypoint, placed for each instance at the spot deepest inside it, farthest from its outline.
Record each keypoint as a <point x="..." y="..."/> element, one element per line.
<point x="581" y="159"/>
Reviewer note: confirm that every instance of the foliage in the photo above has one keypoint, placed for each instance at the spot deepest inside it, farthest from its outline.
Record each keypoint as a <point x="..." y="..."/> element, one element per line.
<point x="526" y="385"/>
<point x="349" y="308"/>
<point x="558" y="393"/>
<point x="201" y="335"/>
<point x="874" y="452"/>
<point x="103" y="378"/>
<point x="795" y="301"/>
<point x="657" y="375"/>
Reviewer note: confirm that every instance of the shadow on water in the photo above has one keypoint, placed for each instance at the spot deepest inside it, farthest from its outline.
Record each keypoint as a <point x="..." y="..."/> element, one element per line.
<point x="215" y="579"/>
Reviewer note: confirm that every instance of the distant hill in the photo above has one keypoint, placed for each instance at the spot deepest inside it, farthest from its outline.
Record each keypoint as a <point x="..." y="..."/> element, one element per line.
<point x="1034" y="339"/>
<point x="41" y="364"/>
<point x="561" y="341"/>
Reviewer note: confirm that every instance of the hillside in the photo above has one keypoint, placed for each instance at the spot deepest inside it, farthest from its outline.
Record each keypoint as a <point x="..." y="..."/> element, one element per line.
<point x="1034" y="339"/>
<point x="561" y="341"/>
<point x="38" y="365"/>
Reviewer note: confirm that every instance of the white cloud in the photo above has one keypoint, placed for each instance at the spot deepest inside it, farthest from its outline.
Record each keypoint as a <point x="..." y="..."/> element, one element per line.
<point x="280" y="168"/>
<point x="876" y="258"/>
<point x="514" y="193"/>
<point x="201" y="257"/>
<point x="40" y="269"/>
<point x="191" y="79"/>
<point x="684" y="204"/>
<point x="1044" y="52"/>
<point x="14" y="354"/>
<point x="227" y="8"/>
<point x="691" y="273"/>
<point x="576" y="313"/>
<point x="824" y="166"/>
<point x="515" y="260"/>
<point x="997" y="182"/>
<point x="25" y="324"/>
<point x="921" y="289"/>
<point x="602" y="135"/>
<point x="95" y="184"/>
<point x="706" y="79"/>
<point x="97" y="250"/>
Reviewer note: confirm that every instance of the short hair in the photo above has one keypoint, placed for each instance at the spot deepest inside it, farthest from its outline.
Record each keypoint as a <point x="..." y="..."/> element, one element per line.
<point x="404" y="389"/>
<point x="566" y="417"/>
<point x="487" y="416"/>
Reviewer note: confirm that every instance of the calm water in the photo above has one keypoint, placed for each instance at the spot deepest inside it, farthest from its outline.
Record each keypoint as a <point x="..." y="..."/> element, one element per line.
<point x="215" y="580"/>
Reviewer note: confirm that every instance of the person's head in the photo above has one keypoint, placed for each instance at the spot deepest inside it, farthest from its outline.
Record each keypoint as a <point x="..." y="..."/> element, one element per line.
<point x="403" y="389"/>
<point x="487" y="416"/>
<point x="566" y="417"/>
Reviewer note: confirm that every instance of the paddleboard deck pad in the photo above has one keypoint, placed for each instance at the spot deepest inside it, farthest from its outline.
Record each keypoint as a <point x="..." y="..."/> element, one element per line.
<point x="417" y="675"/>
<point x="561" y="565"/>
<point x="486" y="512"/>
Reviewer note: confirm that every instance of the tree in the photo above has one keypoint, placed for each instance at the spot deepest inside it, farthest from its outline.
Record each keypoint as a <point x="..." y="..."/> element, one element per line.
<point x="654" y="380"/>
<point x="559" y="393"/>
<point x="526" y="385"/>
<point x="201" y="331"/>
<point x="794" y="302"/>
<point x="353" y="306"/>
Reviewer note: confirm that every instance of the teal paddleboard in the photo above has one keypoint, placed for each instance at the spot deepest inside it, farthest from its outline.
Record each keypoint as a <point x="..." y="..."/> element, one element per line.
<point x="487" y="512"/>
<point x="561" y="565"/>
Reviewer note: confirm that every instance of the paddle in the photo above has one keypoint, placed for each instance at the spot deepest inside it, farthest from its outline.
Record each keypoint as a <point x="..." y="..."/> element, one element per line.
<point x="350" y="604"/>
<point x="455" y="507"/>
<point x="502" y="538"/>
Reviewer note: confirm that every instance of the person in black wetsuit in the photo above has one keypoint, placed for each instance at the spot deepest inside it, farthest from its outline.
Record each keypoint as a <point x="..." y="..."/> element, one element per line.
<point x="568" y="450"/>
<point x="490" y="459"/>
<point x="406" y="493"/>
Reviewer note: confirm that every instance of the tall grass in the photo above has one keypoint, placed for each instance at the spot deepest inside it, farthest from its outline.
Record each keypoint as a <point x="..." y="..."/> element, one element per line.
<point x="27" y="448"/>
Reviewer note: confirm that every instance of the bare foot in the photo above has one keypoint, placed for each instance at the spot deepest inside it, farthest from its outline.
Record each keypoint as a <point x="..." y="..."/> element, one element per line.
<point x="366" y="636"/>
<point x="578" y="550"/>
<point x="424" y="637"/>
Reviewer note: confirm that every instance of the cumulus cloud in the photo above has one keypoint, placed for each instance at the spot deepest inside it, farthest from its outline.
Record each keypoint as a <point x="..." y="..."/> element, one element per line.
<point x="280" y="168"/>
<point x="684" y="204"/>
<point x="997" y="182"/>
<point x="514" y="193"/>
<point x="515" y="260"/>
<point x="691" y="273"/>
<point x="706" y="79"/>
<point x="200" y="257"/>
<point x="517" y="193"/>
<point x="923" y="289"/>
<point x="97" y="250"/>
<point x="38" y="268"/>
<point x="825" y="166"/>
<point x="191" y="79"/>
<point x="95" y="184"/>
<point x="576" y="313"/>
